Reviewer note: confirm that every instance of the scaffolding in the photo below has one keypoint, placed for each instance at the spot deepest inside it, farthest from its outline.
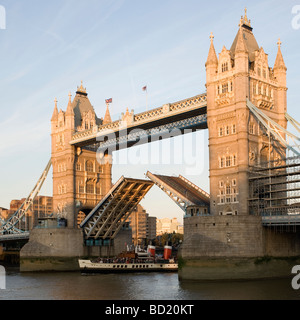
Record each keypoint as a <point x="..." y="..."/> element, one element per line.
<point x="274" y="188"/>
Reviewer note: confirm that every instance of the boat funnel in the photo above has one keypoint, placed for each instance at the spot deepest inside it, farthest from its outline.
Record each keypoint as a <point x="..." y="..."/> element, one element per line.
<point x="151" y="250"/>
<point x="167" y="252"/>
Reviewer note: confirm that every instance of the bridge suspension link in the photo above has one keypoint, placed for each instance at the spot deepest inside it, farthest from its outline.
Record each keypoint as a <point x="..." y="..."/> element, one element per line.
<point x="9" y="227"/>
<point x="277" y="131"/>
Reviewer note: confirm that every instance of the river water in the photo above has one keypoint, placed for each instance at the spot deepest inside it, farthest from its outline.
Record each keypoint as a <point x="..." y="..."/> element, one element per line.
<point x="155" y="286"/>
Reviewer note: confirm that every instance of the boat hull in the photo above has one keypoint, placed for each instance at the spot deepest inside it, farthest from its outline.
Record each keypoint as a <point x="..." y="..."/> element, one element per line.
<point x="86" y="266"/>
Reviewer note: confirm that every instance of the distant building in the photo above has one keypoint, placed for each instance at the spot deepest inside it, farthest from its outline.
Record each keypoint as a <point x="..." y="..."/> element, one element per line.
<point x="3" y="213"/>
<point x="151" y="231"/>
<point x="42" y="207"/>
<point x="168" y="226"/>
<point x="138" y="224"/>
<point x="143" y="227"/>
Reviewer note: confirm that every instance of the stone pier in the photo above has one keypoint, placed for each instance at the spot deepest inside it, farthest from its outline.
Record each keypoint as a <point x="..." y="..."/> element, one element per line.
<point x="59" y="250"/>
<point x="236" y="248"/>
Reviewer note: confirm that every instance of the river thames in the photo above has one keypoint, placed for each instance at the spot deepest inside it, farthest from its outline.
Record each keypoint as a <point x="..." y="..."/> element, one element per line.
<point x="130" y="287"/>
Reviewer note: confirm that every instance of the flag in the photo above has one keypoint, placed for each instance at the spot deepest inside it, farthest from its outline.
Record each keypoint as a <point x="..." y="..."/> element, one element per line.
<point x="107" y="101"/>
<point x="145" y="88"/>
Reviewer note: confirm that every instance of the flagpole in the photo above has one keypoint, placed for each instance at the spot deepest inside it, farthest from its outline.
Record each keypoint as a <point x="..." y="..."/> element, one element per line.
<point x="147" y="99"/>
<point x="146" y="89"/>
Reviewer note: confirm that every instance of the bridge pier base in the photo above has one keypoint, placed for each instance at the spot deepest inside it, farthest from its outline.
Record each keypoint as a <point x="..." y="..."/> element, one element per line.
<point x="59" y="250"/>
<point x="236" y="248"/>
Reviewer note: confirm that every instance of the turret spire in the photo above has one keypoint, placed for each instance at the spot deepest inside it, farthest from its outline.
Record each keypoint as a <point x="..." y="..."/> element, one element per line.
<point x="212" y="58"/>
<point x="279" y="62"/>
<point x="107" y="118"/>
<point x="55" y="112"/>
<point x="69" y="108"/>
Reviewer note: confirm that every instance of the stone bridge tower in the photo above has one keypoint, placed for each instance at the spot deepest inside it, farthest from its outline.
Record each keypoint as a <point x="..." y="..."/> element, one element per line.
<point x="236" y="140"/>
<point x="79" y="181"/>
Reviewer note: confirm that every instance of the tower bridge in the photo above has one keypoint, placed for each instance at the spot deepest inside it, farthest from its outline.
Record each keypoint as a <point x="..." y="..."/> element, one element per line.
<point x="253" y="184"/>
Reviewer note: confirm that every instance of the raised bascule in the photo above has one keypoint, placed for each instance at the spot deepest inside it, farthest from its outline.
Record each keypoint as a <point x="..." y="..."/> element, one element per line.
<point x="252" y="210"/>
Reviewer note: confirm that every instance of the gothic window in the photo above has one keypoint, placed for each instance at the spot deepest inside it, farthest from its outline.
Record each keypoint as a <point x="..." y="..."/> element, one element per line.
<point x="228" y="161"/>
<point x="225" y="67"/>
<point x="89" y="166"/>
<point x="228" y="194"/>
<point x="80" y="188"/>
<point x="222" y="162"/>
<point x="221" y="132"/>
<point x="100" y="169"/>
<point x="233" y="162"/>
<point x="252" y="128"/>
<point x="90" y="187"/>
<point x="87" y="125"/>
<point x="233" y="129"/>
<point x="227" y="131"/>
<point x="231" y="86"/>
<point x="225" y="88"/>
<point x="234" y="197"/>
<point x="78" y="166"/>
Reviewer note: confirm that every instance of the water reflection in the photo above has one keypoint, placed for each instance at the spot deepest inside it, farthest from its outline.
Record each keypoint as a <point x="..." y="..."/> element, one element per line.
<point x="157" y="286"/>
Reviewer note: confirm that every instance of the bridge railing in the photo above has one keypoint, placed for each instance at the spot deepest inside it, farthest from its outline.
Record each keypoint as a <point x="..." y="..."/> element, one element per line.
<point x="293" y="220"/>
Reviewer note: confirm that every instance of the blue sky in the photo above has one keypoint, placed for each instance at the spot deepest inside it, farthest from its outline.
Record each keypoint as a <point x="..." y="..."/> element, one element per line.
<point x="116" y="47"/>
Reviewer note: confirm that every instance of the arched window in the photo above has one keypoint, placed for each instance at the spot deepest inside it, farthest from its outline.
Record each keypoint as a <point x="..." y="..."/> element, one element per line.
<point x="89" y="166"/>
<point x="228" y="189"/>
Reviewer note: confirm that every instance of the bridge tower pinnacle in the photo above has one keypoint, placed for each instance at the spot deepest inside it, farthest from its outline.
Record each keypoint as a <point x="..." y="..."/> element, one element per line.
<point x="236" y="140"/>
